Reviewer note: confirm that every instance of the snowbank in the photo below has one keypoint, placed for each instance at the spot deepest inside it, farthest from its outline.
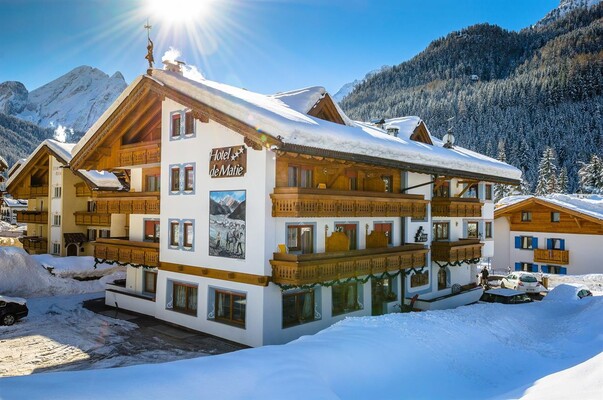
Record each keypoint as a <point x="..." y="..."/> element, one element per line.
<point x="69" y="267"/>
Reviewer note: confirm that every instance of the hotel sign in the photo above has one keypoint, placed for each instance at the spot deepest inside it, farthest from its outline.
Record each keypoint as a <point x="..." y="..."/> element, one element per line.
<point x="227" y="162"/>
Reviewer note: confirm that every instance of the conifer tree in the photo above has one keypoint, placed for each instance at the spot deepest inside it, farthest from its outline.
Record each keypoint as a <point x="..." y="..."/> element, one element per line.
<point x="591" y="175"/>
<point x="547" y="173"/>
<point x="562" y="181"/>
<point x="501" y="190"/>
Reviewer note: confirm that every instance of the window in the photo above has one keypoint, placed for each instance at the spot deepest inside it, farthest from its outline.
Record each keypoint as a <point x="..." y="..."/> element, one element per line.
<point x="91" y="206"/>
<point x="300" y="238"/>
<point x="188" y="234"/>
<point x="419" y="279"/>
<point x="556" y="244"/>
<point x="472" y="230"/>
<point x="231" y="307"/>
<point x="56" y="220"/>
<point x="176" y="123"/>
<point x="345" y="298"/>
<point x="104" y="233"/>
<point x="526" y="242"/>
<point x="488" y="226"/>
<point x="388" y="182"/>
<point x="56" y="248"/>
<point x="441" y="190"/>
<point x="528" y="267"/>
<point x="151" y="230"/>
<point x="554" y="269"/>
<point x="353" y="183"/>
<point x="57" y="192"/>
<point x="175" y="179"/>
<point x="189" y="123"/>
<point x="149" y="281"/>
<point x="174" y="233"/>
<point x="555" y="216"/>
<point x="526" y="216"/>
<point x="91" y="235"/>
<point x="153" y="183"/>
<point x="440" y="230"/>
<point x="488" y="191"/>
<point x="189" y="178"/>
<point x="351" y="231"/>
<point x="385" y="227"/>
<point x="298" y="308"/>
<point x="472" y="191"/>
<point x="299" y="177"/>
<point x="185" y="298"/>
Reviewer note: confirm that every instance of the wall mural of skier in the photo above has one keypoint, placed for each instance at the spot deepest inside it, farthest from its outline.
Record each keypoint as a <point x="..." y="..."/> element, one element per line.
<point x="227" y="224"/>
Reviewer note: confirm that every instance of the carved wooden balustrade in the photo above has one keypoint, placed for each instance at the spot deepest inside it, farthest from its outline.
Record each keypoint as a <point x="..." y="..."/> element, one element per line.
<point x="455" y="207"/>
<point x="302" y="269"/>
<point x="127" y="202"/>
<point x="32" y="217"/>
<point x="558" y="257"/>
<point x="126" y="251"/>
<point x="461" y="250"/>
<point x="34" y="244"/>
<point x="304" y="202"/>
<point x="92" y="218"/>
<point x="139" y="155"/>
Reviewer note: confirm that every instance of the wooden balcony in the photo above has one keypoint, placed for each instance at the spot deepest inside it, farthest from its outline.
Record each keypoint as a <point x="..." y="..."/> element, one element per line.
<point x="32" y="217"/>
<point x="34" y="244"/>
<point x="557" y="257"/>
<point x="133" y="155"/>
<point x="462" y="250"/>
<point x="82" y="190"/>
<point x="92" y="219"/>
<point x="303" y="269"/>
<point x="31" y="192"/>
<point x="303" y="202"/>
<point x="126" y="251"/>
<point x="127" y="203"/>
<point x="455" y="207"/>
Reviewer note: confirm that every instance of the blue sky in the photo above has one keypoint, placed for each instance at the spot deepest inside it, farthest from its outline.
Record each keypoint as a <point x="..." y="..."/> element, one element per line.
<point x="262" y="45"/>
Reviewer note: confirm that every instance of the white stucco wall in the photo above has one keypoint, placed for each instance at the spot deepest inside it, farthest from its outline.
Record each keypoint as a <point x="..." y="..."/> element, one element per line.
<point x="502" y="244"/>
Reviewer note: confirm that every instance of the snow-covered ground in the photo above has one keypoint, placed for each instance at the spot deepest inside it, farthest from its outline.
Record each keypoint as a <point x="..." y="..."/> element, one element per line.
<point x="541" y="350"/>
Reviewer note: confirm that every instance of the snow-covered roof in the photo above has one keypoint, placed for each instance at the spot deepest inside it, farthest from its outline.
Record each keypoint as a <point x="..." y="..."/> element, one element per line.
<point x="406" y="125"/>
<point x="10" y="202"/>
<point x="3" y="164"/>
<point x="591" y="205"/>
<point x="280" y="117"/>
<point x="301" y="100"/>
<point x="16" y="165"/>
<point x="63" y="151"/>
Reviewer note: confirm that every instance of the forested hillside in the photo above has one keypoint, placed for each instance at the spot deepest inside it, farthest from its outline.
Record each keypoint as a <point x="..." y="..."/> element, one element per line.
<point x="517" y="91"/>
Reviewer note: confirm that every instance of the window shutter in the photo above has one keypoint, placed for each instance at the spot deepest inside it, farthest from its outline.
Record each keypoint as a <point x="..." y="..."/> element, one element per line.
<point x="545" y="269"/>
<point x="534" y="243"/>
<point x="562" y="244"/>
<point x="549" y="244"/>
<point x="518" y="242"/>
<point x="534" y="268"/>
<point x="517" y="266"/>
<point x="563" y="271"/>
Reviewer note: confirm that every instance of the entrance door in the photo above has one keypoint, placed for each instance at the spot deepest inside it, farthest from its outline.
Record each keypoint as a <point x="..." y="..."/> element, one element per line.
<point x="442" y="279"/>
<point x="72" y="250"/>
<point x="351" y="231"/>
<point x="382" y="291"/>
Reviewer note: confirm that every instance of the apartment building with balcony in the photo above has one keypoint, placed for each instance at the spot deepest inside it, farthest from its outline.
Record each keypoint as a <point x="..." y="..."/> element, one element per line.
<point x="57" y="199"/>
<point x="555" y="234"/>
<point x="279" y="215"/>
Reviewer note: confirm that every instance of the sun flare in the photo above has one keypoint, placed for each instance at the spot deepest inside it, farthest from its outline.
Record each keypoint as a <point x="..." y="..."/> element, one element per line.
<point x="178" y="11"/>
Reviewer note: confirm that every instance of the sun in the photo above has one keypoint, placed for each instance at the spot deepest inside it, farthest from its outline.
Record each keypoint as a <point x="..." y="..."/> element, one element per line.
<point x="178" y="11"/>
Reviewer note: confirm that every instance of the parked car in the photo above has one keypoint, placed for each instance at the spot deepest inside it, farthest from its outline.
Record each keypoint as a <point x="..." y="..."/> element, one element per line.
<point x="569" y="291"/>
<point x="505" y="296"/>
<point x="12" y="309"/>
<point x="522" y="281"/>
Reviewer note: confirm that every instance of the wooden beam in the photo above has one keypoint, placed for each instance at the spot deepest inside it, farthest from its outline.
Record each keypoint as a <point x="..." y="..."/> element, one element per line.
<point x="338" y="173"/>
<point x="577" y="222"/>
<point x="240" y="277"/>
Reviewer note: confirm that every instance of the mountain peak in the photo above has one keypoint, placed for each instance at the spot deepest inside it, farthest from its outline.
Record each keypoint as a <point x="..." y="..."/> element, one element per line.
<point x="564" y="7"/>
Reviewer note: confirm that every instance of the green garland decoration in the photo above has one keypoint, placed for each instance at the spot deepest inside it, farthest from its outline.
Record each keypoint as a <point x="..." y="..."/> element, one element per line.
<point x="113" y="262"/>
<point x="457" y="263"/>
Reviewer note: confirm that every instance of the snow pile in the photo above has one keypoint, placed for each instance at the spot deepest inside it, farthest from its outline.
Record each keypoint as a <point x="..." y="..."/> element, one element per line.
<point x="565" y="292"/>
<point x="81" y="266"/>
<point x="22" y="275"/>
<point x="483" y="351"/>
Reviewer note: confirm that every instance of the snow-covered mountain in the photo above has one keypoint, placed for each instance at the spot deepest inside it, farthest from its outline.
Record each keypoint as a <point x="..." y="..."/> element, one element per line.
<point x="563" y="8"/>
<point x="348" y="87"/>
<point x="75" y="100"/>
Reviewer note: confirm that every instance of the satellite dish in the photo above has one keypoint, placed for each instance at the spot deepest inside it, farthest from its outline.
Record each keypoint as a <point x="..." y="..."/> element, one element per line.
<point x="448" y="139"/>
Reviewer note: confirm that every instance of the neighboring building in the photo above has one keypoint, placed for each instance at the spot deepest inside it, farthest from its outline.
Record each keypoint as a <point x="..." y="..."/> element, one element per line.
<point x="280" y="216"/>
<point x="9" y="208"/>
<point x="555" y="234"/>
<point x="3" y="167"/>
<point x="62" y="214"/>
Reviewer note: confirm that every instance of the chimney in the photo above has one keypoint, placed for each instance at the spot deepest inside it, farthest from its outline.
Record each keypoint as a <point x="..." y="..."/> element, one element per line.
<point x="174" y="66"/>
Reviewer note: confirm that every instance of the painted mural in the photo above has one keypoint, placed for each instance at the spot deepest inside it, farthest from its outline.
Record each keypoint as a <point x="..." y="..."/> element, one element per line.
<point x="227" y="224"/>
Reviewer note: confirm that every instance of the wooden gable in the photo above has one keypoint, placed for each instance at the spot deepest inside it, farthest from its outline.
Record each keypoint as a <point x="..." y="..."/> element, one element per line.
<point x="326" y="110"/>
<point x="421" y="134"/>
<point x="570" y="221"/>
<point x="34" y="174"/>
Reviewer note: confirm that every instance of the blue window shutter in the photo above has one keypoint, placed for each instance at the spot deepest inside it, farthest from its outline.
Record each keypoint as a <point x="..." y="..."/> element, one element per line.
<point x="534" y="243"/>
<point x="563" y="271"/>
<point x="562" y="244"/>
<point x="517" y="266"/>
<point x="534" y="268"/>
<point x="549" y="244"/>
<point x="518" y="242"/>
<point x="545" y="269"/>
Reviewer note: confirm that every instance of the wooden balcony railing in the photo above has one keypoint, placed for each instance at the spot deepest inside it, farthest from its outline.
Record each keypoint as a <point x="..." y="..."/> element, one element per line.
<point x="462" y="250"/>
<point x="303" y="269"/>
<point x="32" y="217"/>
<point x="34" y="244"/>
<point x="128" y="203"/>
<point x="559" y="257"/>
<point x="126" y="251"/>
<point x="303" y="202"/>
<point x="30" y="192"/>
<point x="455" y="207"/>
<point x="139" y="155"/>
<point x="82" y="190"/>
<point x="92" y="218"/>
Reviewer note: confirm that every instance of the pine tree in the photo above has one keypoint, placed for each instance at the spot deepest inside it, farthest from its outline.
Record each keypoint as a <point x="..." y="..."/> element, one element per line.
<point x="547" y="173"/>
<point x="562" y="182"/>
<point x="591" y="175"/>
<point x="501" y="190"/>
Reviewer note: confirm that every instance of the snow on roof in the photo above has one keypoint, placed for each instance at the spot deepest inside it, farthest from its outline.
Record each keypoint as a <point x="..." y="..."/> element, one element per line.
<point x="16" y="165"/>
<point x="591" y="205"/>
<point x="3" y="164"/>
<point x="301" y="100"/>
<point x="10" y="202"/>
<point x="406" y="125"/>
<point x="276" y="117"/>
<point x="102" y="179"/>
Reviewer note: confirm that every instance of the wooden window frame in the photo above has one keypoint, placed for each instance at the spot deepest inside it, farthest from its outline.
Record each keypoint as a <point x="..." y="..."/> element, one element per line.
<point x="419" y="279"/>
<point x="187" y="309"/>
<point x="556" y="214"/>
<point x="476" y="223"/>
<point x="488" y="191"/>
<point x="377" y="226"/>
<point x="189" y="123"/>
<point x="488" y="229"/>
<point x="156" y="185"/>
<point x="296" y="176"/>
<point x="344" y="287"/>
<point x="299" y="298"/>
<point x="298" y="229"/>
<point x="154" y="237"/>
<point x="145" y="274"/>
<point x="175" y="129"/>
<point x="91" y="235"/>
<point x="529" y="242"/>
<point x="229" y="319"/>
<point x="526" y="216"/>
<point x="436" y="237"/>
<point x="443" y="191"/>
<point x="186" y="240"/>
<point x="175" y="179"/>
<point x="174" y="239"/>
<point x="189" y="178"/>
<point x="104" y="233"/>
